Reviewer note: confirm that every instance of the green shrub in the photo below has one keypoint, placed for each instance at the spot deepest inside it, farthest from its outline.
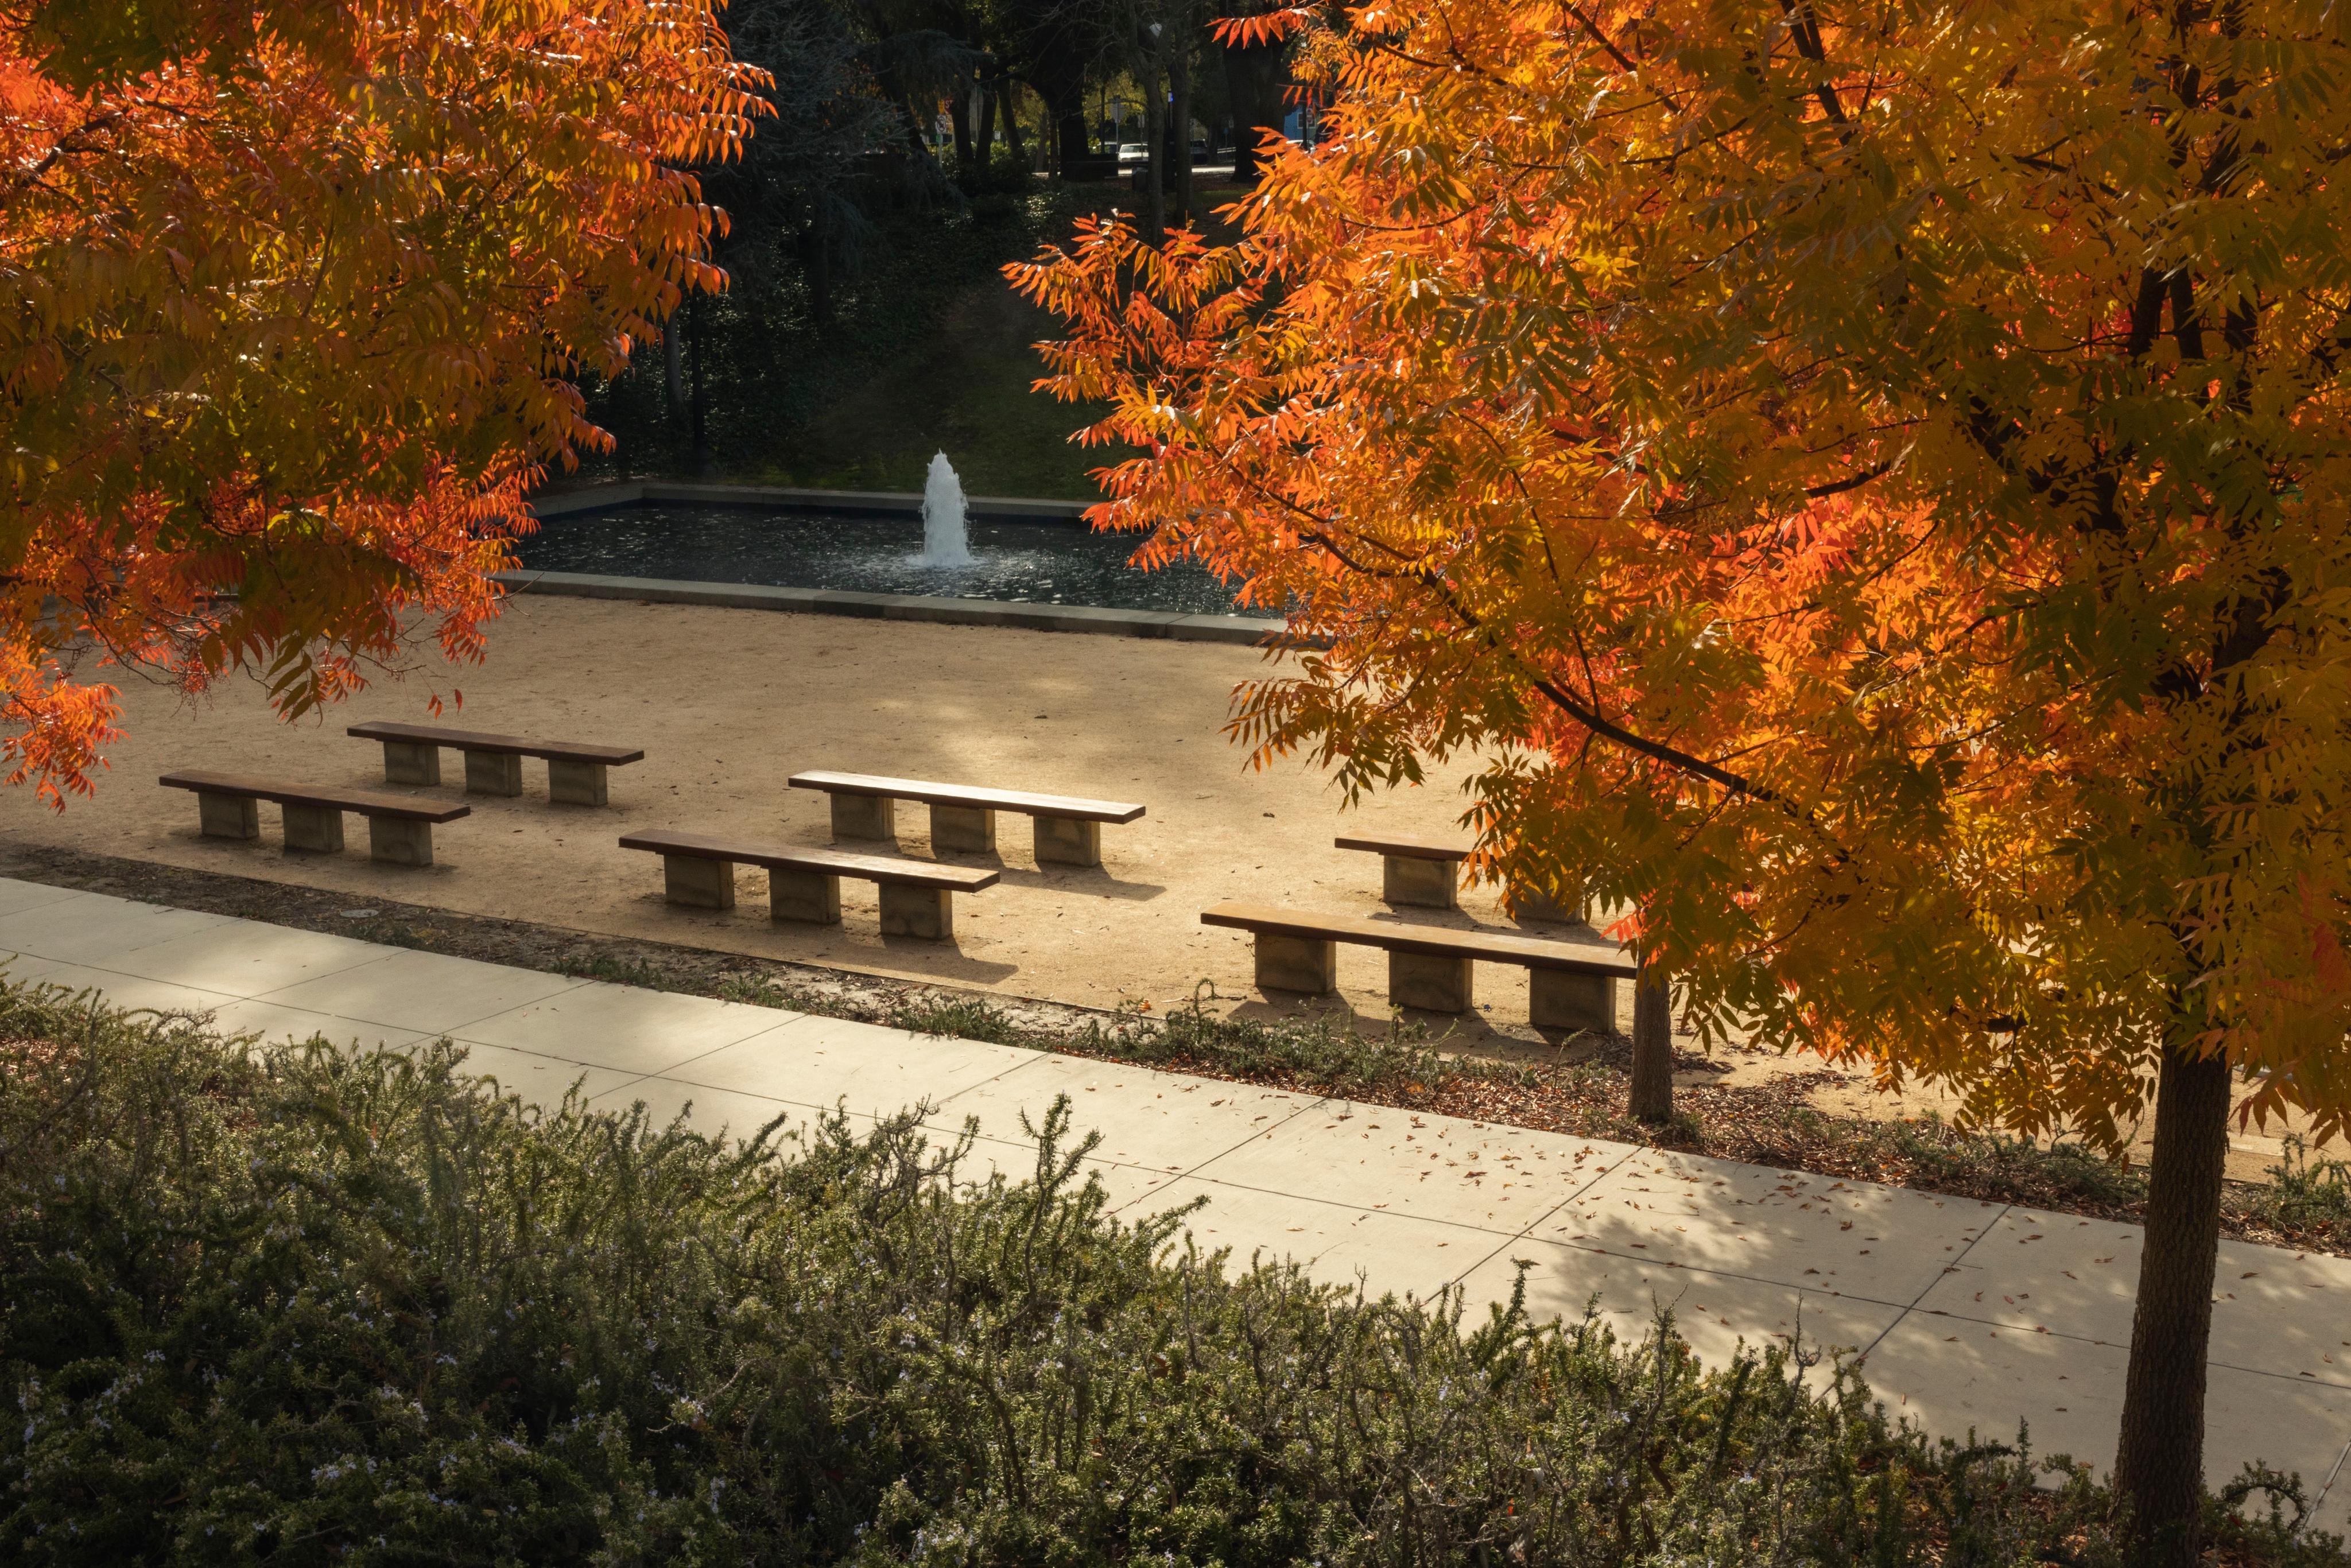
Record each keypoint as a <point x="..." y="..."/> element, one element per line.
<point x="288" y="1305"/>
<point x="2306" y="1192"/>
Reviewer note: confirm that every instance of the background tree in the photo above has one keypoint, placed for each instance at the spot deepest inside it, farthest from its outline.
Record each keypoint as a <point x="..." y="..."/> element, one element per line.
<point x="294" y="295"/>
<point x="1256" y="71"/>
<point x="920" y="56"/>
<point x="794" y="194"/>
<point x="794" y="184"/>
<point x="1055" y="40"/>
<point x="1874" y="486"/>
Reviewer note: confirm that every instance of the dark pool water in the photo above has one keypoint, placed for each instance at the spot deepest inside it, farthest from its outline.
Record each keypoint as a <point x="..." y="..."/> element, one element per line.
<point x="1030" y="563"/>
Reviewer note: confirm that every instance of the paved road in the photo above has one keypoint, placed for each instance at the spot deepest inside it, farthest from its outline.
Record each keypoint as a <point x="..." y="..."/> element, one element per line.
<point x="1968" y="1314"/>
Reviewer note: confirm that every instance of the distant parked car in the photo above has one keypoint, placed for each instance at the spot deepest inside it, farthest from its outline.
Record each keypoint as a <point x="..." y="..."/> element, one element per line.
<point x="1131" y="152"/>
<point x="1199" y="150"/>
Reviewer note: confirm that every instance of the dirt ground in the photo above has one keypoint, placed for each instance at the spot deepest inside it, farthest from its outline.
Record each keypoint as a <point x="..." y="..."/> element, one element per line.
<point x="729" y="703"/>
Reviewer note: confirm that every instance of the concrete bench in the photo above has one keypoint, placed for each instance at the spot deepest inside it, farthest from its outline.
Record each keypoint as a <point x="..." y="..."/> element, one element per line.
<point x="1067" y="830"/>
<point x="1572" y="984"/>
<point x="575" y="770"/>
<point x="399" y="830"/>
<point x="1424" y="871"/>
<point x="917" y="896"/>
<point x="1427" y="873"/>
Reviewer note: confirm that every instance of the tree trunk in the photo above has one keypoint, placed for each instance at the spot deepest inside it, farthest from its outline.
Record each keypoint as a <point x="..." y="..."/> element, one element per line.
<point x="959" y="117"/>
<point x="673" y="364"/>
<point x="1249" y="79"/>
<point x="1154" y="156"/>
<point x="1010" y="91"/>
<point x="1652" y="1096"/>
<point x="985" y="139"/>
<point x="918" y="129"/>
<point x="1179" y="80"/>
<point x="701" y="404"/>
<point x="1058" y="71"/>
<point x="2160" y="1461"/>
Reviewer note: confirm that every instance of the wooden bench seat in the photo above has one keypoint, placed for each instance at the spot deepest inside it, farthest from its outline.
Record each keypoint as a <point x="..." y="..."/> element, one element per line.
<point x="804" y="884"/>
<point x="963" y="817"/>
<point x="1424" y="871"/>
<point x="399" y="828"/>
<point x="575" y="769"/>
<point x="1572" y="984"/>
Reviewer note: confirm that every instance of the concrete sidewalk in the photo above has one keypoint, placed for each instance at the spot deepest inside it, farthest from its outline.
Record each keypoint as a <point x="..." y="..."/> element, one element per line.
<point x="1968" y="1314"/>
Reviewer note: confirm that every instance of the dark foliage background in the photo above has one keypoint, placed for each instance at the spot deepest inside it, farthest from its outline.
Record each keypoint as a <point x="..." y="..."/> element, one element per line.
<point x="866" y="325"/>
<point x="922" y="349"/>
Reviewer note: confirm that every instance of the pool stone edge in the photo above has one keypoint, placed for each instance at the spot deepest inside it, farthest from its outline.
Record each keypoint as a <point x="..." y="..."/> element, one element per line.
<point x="1175" y="625"/>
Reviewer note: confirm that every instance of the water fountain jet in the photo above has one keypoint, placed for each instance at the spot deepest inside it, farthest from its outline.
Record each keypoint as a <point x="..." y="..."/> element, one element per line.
<point x="945" y="541"/>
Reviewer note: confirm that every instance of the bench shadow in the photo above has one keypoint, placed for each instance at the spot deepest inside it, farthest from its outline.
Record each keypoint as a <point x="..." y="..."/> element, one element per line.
<point x="944" y="959"/>
<point x="1504" y="926"/>
<point x="1082" y="879"/>
<point x="232" y="850"/>
<point x="1564" y="931"/>
<point x="1077" y="879"/>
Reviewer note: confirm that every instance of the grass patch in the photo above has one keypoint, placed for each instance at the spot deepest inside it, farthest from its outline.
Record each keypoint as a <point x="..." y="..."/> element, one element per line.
<point x="1930" y="1153"/>
<point x="959" y="1017"/>
<point x="616" y="971"/>
<point x="1321" y="1052"/>
<point x="291" y="1306"/>
<point x="398" y="934"/>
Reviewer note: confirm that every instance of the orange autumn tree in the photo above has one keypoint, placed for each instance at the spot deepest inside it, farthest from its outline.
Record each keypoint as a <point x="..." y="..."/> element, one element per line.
<point x="293" y="295"/>
<point x="1867" y="485"/>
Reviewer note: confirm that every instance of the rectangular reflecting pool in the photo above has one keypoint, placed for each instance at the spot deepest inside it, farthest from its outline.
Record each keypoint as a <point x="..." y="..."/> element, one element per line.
<point x="1020" y="562"/>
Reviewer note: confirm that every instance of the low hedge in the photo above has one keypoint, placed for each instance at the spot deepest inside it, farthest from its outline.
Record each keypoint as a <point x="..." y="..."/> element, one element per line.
<point x="285" y="1306"/>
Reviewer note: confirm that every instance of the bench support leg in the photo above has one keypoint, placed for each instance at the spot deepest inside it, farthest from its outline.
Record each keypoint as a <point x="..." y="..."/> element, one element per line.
<point x="864" y="816"/>
<point x="1067" y="841"/>
<point x="577" y="783"/>
<point x="1297" y="963"/>
<point x="1558" y="1000"/>
<point x="1429" y="982"/>
<point x="1431" y="884"/>
<point x="400" y="842"/>
<point x="964" y="828"/>
<point x="1526" y="904"/>
<point x="924" y="912"/>
<point x="228" y="817"/>
<point x="316" y="828"/>
<point x="809" y="895"/>
<point x="410" y="762"/>
<point x="698" y="883"/>
<point x="493" y="773"/>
